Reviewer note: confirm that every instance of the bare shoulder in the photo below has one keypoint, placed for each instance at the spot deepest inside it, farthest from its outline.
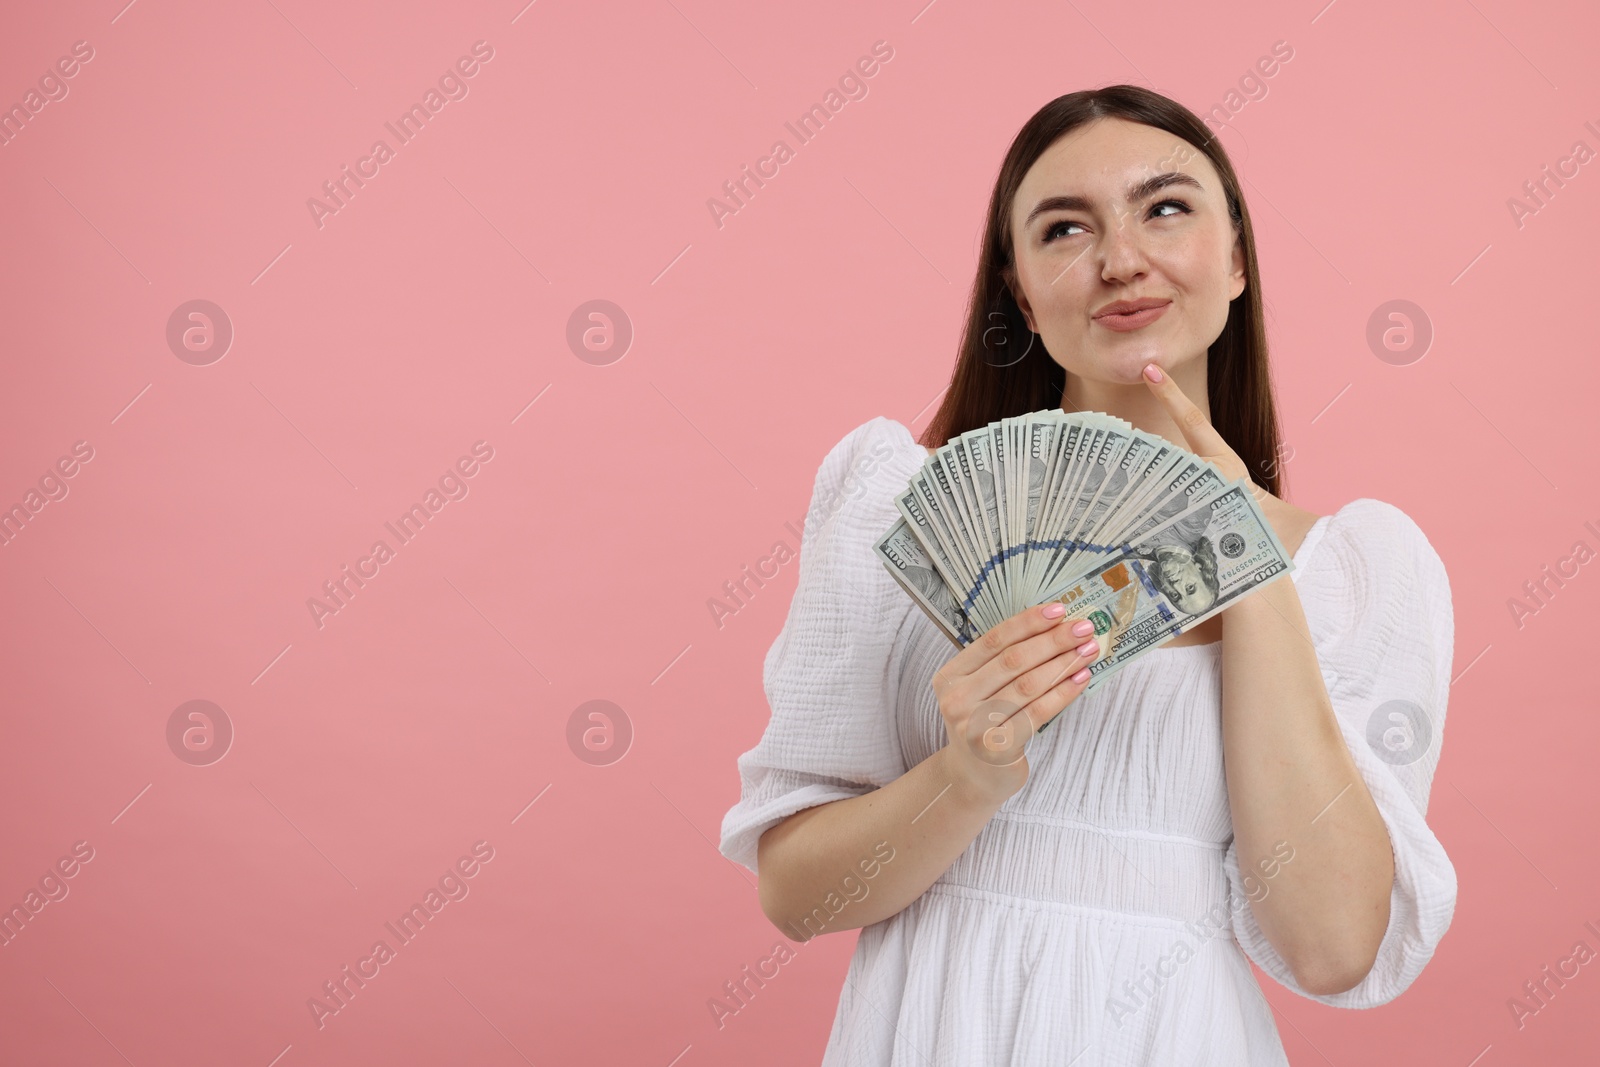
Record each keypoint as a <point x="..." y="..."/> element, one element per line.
<point x="1291" y="523"/>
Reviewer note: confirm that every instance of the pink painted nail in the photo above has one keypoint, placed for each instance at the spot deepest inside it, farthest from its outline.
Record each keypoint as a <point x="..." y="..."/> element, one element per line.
<point x="1082" y="676"/>
<point x="1152" y="372"/>
<point x="1088" y="648"/>
<point x="1083" y="627"/>
<point x="1055" y="610"/>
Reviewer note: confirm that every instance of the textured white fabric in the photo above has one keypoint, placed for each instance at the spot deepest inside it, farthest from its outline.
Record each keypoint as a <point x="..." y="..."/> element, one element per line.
<point x="1115" y="864"/>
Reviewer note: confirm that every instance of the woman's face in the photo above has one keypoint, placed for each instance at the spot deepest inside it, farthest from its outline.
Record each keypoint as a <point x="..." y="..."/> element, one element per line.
<point x="1085" y="236"/>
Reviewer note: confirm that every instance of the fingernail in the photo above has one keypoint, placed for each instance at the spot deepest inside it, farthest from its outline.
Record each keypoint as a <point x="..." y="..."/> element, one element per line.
<point x="1082" y="676"/>
<point x="1055" y="610"/>
<point x="1088" y="648"/>
<point x="1083" y="627"/>
<point x="1152" y="372"/>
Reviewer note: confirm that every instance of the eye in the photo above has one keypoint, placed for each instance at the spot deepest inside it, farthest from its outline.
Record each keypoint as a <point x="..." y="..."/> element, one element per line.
<point x="1053" y="231"/>
<point x="1050" y="234"/>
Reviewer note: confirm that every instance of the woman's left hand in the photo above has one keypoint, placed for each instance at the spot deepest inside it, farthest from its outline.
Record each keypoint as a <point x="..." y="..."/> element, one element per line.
<point x="1203" y="438"/>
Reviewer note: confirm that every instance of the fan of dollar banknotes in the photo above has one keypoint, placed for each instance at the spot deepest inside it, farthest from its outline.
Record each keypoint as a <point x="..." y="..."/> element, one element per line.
<point x="1144" y="539"/>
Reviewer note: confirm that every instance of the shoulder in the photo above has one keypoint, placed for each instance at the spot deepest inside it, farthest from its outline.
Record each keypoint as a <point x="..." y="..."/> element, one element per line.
<point x="856" y="484"/>
<point x="1293" y="524"/>
<point x="1372" y="563"/>
<point x="846" y="597"/>
<point x="878" y="441"/>
<point x="868" y="464"/>
<point x="1381" y="533"/>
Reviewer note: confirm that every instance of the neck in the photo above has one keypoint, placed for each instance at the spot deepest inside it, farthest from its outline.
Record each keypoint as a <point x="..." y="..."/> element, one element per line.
<point x="1136" y="403"/>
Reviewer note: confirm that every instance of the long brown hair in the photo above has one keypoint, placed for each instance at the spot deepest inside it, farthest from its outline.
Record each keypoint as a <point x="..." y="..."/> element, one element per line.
<point x="992" y="380"/>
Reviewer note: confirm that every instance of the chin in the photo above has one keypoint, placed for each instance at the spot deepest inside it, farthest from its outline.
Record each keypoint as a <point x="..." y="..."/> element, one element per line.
<point x="1127" y="367"/>
<point x="1124" y="363"/>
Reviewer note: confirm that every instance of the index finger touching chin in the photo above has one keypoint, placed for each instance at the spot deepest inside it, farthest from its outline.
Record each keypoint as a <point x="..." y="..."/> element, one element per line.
<point x="1203" y="438"/>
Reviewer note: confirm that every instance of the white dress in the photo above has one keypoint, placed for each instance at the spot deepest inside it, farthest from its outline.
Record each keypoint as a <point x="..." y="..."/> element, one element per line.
<point x="1100" y="917"/>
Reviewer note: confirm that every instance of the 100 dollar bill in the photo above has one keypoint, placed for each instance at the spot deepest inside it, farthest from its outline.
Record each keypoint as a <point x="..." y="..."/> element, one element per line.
<point x="911" y="566"/>
<point x="1174" y="577"/>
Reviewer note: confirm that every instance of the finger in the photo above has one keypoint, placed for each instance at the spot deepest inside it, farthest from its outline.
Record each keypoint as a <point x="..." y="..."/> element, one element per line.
<point x="995" y="641"/>
<point x="1203" y="438"/>
<point x="1043" y="709"/>
<point x="1000" y="675"/>
<point x="1052" y="673"/>
<point x="1000" y="727"/>
<point x="1010" y="721"/>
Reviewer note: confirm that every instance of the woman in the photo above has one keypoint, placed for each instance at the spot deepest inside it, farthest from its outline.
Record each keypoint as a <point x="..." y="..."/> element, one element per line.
<point x="1091" y="895"/>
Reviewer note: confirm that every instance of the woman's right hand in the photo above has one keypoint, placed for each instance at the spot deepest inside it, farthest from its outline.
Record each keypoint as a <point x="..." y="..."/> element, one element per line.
<point x="998" y="691"/>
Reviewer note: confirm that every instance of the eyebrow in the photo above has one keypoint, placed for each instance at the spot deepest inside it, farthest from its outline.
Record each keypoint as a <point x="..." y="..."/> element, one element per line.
<point x="1136" y="191"/>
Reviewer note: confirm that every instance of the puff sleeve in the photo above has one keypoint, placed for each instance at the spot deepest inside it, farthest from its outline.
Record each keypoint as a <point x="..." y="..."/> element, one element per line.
<point x="1377" y="600"/>
<point x="828" y="676"/>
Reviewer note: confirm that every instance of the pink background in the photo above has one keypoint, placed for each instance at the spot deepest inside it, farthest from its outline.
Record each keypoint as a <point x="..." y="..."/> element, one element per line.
<point x="371" y="752"/>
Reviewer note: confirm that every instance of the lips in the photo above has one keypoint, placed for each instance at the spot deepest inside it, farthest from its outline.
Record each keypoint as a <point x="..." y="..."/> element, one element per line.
<point x="1128" y="307"/>
<point x="1127" y="315"/>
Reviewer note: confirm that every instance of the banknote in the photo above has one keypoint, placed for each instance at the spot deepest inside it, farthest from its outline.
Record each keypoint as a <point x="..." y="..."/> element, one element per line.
<point x="1175" y="577"/>
<point x="912" y="567"/>
<point x="1138" y="535"/>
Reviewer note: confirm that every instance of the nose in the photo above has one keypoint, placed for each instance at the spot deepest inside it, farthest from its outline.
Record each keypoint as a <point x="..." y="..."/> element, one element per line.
<point x="1122" y="250"/>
